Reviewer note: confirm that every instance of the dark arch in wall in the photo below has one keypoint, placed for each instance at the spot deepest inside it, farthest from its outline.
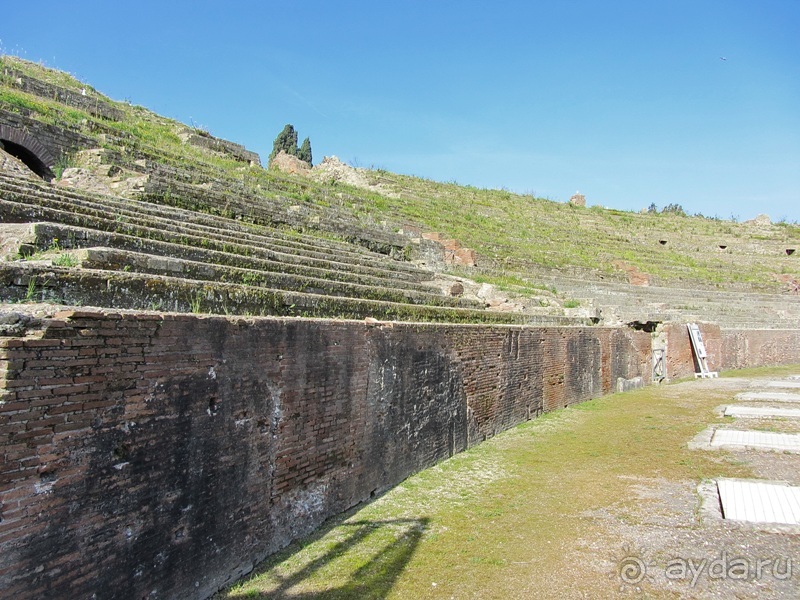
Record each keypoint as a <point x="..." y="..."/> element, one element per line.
<point x="29" y="150"/>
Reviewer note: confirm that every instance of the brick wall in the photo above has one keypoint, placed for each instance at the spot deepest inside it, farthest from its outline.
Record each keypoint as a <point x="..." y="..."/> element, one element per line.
<point x="163" y="455"/>
<point x="759" y="347"/>
<point x="730" y="348"/>
<point x="680" y="356"/>
<point x="56" y="140"/>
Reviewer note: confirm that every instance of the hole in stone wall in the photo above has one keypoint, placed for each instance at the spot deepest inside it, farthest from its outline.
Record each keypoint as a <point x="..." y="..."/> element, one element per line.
<point x="721" y="247"/>
<point x="789" y="251"/>
<point x="646" y="326"/>
<point x="47" y="476"/>
<point x="28" y="158"/>
<point x="122" y="452"/>
<point x="45" y="484"/>
<point x="662" y="242"/>
<point x="212" y="407"/>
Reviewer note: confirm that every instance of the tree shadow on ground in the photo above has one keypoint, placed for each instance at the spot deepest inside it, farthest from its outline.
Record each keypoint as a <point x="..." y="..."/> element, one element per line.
<point x="383" y="549"/>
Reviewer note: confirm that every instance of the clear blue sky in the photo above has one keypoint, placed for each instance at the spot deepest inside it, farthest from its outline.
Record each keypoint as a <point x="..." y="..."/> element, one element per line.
<point x="628" y="101"/>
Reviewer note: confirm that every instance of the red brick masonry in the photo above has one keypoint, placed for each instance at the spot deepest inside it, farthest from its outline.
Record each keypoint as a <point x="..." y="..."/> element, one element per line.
<point x="161" y="456"/>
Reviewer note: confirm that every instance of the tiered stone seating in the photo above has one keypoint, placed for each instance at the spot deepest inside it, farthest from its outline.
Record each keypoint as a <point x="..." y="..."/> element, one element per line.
<point x="125" y="253"/>
<point x="628" y="303"/>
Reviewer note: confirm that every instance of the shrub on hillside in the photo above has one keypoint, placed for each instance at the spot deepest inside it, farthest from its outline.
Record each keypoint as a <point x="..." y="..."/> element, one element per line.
<point x="287" y="141"/>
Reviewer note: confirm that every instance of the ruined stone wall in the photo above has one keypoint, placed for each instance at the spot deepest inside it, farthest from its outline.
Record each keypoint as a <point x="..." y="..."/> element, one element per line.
<point x="86" y="100"/>
<point x="161" y="456"/>
<point x="56" y="140"/>
<point x="759" y="347"/>
<point x="730" y="348"/>
<point x="680" y="356"/>
<point x="237" y="151"/>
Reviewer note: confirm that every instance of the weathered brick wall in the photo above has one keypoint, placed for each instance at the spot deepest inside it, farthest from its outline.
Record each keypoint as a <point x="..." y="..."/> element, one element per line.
<point x="56" y="140"/>
<point x="730" y="348"/>
<point x="162" y="455"/>
<point x="680" y="356"/>
<point x="759" y="347"/>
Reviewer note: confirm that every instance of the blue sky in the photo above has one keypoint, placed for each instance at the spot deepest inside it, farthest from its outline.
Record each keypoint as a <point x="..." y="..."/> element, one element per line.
<point x="628" y="101"/>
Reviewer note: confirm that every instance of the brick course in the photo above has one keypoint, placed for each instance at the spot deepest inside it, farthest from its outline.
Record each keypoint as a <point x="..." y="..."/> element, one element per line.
<point x="184" y="449"/>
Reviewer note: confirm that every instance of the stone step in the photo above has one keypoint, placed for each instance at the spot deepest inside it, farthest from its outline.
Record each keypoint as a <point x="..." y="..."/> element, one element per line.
<point x="396" y="241"/>
<point x="269" y="200"/>
<point x="740" y="321"/>
<point x="111" y="259"/>
<point x="622" y="295"/>
<point x="19" y="210"/>
<point x="181" y="221"/>
<point x="293" y="239"/>
<point x="598" y="288"/>
<point x="719" y="311"/>
<point x="44" y="236"/>
<point x="271" y="208"/>
<point x="79" y="287"/>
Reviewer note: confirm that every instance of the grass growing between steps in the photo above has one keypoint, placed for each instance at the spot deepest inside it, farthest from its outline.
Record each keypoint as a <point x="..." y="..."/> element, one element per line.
<point x="512" y="517"/>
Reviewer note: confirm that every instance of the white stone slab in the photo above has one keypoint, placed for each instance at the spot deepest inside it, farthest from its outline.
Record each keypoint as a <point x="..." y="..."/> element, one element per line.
<point x="761" y="412"/>
<point x="784" y="384"/>
<point x="759" y="501"/>
<point x="759" y="440"/>
<point x="769" y="396"/>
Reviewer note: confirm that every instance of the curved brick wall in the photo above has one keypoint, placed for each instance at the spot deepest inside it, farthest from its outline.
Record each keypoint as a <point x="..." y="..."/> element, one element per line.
<point x="163" y="455"/>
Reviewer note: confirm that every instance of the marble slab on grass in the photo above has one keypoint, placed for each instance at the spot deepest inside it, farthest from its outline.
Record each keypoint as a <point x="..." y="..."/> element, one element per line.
<point x="759" y="501"/>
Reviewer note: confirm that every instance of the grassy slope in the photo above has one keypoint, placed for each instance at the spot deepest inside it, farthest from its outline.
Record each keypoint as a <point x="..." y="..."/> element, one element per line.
<point x="522" y="232"/>
<point x="517" y="236"/>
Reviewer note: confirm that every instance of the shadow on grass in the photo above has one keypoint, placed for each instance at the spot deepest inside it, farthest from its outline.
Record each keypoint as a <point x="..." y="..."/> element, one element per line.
<point x="365" y="562"/>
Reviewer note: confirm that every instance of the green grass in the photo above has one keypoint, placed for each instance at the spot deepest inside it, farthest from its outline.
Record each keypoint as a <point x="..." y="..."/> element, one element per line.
<point x="523" y="233"/>
<point x="65" y="260"/>
<point x="508" y="514"/>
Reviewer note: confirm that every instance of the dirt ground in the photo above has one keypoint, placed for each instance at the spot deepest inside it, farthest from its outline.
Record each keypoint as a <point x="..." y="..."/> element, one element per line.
<point x="674" y="542"/>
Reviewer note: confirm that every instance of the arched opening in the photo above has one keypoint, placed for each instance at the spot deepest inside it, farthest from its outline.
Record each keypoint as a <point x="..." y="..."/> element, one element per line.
<point x="28" y="150"/>
<point x="29" y="158"/>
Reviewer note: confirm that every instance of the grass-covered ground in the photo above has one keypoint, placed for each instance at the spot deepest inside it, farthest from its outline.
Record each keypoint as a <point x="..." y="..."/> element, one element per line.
<point x="546" y="510"/>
